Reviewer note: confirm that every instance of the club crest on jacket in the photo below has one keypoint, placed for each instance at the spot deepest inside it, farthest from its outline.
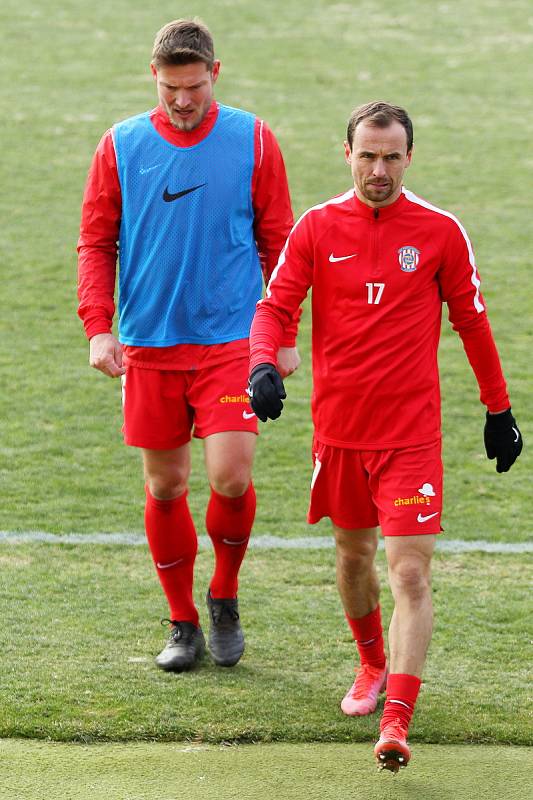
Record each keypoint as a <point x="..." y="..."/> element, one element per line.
<point x="408" y="257"/>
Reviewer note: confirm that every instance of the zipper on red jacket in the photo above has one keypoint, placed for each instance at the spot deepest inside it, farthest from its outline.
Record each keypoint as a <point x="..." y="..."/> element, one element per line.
<point x="374" y="251"/>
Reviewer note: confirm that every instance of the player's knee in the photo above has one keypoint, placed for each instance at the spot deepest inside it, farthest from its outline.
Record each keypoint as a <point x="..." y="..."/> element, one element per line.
<point x="355" y="563"/>
<point x="355" y="553"/>
<point x="230" y="483"/>
<point x="410" y="577"/>
<point x="166" y="487"/>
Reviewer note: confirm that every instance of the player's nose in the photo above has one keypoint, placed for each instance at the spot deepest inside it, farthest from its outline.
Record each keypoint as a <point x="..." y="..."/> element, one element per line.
<point x="379" y="168"/>
<point x="182" y="99"/>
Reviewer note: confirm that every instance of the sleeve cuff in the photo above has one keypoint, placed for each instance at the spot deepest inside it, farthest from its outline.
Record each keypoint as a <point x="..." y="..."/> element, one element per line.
<point x="94" y="327"/>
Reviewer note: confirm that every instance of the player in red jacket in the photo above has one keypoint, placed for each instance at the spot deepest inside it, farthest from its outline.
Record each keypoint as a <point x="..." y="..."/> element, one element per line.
<point x="381" y="261"/>
<point x="196" y="196"/>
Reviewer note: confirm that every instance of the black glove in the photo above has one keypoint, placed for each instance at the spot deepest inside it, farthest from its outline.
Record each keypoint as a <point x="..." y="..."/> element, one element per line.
<point x="503" y="440"/>
<point x="266" y="392"/>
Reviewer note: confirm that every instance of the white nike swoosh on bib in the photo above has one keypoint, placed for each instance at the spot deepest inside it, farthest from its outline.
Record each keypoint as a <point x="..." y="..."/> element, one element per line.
<point x="246" y="415"/>
<point x="420" y="518"/>
<point x="144" y="170"/>
<point x="333" y="258"/>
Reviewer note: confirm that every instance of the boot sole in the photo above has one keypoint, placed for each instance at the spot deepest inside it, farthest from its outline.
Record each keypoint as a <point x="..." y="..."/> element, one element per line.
<point x="391" y="757"/>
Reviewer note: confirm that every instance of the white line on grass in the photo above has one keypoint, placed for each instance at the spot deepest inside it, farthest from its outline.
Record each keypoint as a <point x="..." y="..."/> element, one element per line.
<point x="256" y="542"/>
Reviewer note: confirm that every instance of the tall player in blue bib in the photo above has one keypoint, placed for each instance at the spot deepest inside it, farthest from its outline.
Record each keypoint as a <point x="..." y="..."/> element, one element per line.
<point x="192" y="199"/>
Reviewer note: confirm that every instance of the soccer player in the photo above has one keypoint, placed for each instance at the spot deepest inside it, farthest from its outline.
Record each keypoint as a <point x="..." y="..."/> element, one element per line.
<point x="194" y="197"/>
<point x="381" y="262"/>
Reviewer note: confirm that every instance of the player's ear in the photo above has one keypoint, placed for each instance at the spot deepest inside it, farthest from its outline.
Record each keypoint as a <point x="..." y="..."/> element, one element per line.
<point x="215" y="71"/>
<point x="153" y="71"/>
<point x="409" y="157"/>
<point x="347" y="153"/>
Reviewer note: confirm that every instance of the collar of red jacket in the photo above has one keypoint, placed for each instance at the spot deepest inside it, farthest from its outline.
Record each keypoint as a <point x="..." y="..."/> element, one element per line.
<point x="384" y="212"/>
<point x="166" y="129"/>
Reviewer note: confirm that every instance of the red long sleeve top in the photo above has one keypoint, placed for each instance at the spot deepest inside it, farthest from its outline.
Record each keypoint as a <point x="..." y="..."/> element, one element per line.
<point x="379" y="278"/>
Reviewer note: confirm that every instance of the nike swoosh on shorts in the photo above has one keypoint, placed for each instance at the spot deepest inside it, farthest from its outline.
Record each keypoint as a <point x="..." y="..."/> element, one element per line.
<point x="421" y="518"/>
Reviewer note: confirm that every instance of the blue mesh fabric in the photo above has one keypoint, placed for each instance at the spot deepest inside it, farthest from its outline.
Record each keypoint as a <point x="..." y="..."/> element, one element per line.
<point x="188" y="264"/>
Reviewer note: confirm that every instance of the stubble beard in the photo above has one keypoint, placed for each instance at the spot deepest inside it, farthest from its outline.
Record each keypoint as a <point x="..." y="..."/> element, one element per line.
<point x="378" y="195"/>
<point x="185" y="125"/>
<point x="182" y="124"/>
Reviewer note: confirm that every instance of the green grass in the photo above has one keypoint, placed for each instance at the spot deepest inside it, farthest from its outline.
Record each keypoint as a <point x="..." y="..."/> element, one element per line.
<point x="295" y="772"/>
<point x="80" y="623"/>
<point x="464" y="72"/>
<point x="77" y="655"/>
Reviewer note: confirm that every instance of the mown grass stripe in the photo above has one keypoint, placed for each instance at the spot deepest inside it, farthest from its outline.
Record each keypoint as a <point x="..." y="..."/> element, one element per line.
<point x="256" y="772"/>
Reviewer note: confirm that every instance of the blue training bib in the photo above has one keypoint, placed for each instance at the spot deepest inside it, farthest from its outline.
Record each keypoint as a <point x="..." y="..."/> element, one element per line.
<point x="188" y="264"/>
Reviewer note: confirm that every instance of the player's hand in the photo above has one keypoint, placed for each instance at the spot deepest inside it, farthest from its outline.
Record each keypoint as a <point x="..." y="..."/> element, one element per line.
<point x="266" y="392"/>
<point x="288" y="361"/>
<point x="105" y="354"/>
<point x="503" y="440"/>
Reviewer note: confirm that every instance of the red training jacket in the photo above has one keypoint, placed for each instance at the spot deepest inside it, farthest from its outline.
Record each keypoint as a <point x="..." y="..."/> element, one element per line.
<point x="379" y="278"/>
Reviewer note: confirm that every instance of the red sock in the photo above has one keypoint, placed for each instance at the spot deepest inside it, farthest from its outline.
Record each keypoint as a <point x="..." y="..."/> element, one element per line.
<point x="229" y="523"/>
<point x="402" y="691"/>
<point x="173" y="544"/>
<point x="368" y="634"/>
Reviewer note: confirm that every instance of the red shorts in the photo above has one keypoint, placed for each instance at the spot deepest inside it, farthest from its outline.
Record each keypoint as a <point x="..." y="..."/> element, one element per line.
<point x="161" y="407"/>
<point x="400" y="490"/>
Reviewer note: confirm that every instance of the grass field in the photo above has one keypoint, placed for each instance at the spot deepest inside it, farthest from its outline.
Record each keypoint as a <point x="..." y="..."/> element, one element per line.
<point x="464" y="72"/>
<point x="203" y="772"/>
<point x="80" y="623"/>
<point x="92" y="677"/>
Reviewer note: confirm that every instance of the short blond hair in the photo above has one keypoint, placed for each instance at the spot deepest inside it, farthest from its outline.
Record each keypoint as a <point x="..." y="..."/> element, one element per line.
<point x="183" y="41"/>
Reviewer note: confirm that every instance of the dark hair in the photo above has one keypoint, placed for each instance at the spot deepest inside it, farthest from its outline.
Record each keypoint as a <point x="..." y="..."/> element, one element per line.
<point x="381" y="115"/>
<point x="183" y="41"/>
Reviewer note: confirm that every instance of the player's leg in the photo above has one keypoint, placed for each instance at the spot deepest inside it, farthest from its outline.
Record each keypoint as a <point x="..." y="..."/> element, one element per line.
<point x="169" y="527"/>
<point x="229" y="519"/>
<point x="410" y="500"/>
<point x="339" y="490"/>
<point x="358" y="585"/>
<point x="409" y="565"/>
<point x="224" y="421"/>
<point x="173" y="544"/>
<point x="231" y="509"/>
<point x="409" y="562"/>
<point x="357" y="578"/>
<point x="157" y="419"/>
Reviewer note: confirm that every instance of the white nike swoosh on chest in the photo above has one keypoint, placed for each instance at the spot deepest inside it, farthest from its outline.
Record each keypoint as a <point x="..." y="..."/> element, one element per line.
<point x="333" y="259"/>
<point x="145" y="170"/>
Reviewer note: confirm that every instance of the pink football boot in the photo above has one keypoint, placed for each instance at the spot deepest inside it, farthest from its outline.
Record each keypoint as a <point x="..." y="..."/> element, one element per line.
<point x="362" y="698"/>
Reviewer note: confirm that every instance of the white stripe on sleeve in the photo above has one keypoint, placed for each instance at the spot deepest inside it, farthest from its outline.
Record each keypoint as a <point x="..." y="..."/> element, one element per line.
<point x="342" y="198"/>
<point x="260" y="144"/>
<point x="475" y="277"/>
